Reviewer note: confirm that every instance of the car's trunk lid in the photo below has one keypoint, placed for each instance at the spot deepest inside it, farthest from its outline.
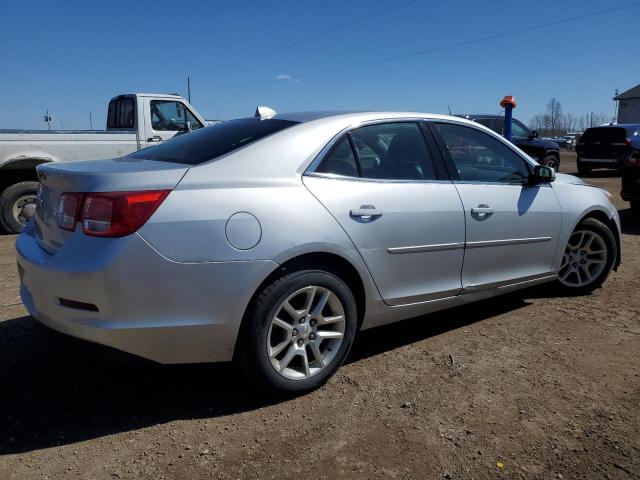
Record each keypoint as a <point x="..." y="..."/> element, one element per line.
<point x="116" y="175"/>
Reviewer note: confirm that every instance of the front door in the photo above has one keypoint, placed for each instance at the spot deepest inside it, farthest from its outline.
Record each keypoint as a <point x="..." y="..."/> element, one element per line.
<point x="381" y="184"/>
<point x="512" y="227"/>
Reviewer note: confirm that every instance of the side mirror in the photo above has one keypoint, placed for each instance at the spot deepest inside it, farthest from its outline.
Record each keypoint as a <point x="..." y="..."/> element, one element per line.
<point x="534" y="133"/>
<point x="542" y="174"/>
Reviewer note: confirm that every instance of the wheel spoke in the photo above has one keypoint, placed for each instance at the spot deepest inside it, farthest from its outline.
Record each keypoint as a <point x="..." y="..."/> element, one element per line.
<point x="274" y="351"/>
<point x="305" y="363"/>
<point x="586" y="272"/>
<point x="317" y="354"/>
<point x="334" y="319"/>
<point x="317" y="310"/>
<point x="295" y="314"/>
<point x="595" y="261"/>
<point x="286" y="360"/>
<point x="324" y="334"/>
<point x="311" y="295"/>
<point x="282" y="324"/>
<point x="567" y="272"/>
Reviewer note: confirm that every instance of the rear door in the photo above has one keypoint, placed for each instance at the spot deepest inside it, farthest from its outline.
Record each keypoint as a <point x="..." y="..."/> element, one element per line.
<point x="512" y="228"/>
<point x="382" y="185"/>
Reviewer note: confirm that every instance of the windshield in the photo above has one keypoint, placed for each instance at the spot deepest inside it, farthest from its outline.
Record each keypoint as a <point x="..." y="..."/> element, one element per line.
<point x="214" y="141"/>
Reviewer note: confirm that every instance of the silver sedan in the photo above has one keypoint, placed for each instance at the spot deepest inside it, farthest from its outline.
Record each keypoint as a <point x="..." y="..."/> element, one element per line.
<point x="272" y="240"/>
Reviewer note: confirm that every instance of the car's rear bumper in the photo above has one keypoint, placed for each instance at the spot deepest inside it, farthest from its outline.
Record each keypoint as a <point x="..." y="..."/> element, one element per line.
<point x="144" y="304"/>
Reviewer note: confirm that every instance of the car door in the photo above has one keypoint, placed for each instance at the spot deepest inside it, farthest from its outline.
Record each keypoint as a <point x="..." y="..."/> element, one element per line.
<point x="382" y="185"/>
<point x="512" y="228"/>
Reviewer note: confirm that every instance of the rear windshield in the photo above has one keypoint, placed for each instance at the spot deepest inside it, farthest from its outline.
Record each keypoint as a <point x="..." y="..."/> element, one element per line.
<point x="604" y="134"/>
<point x="214" y="141"/>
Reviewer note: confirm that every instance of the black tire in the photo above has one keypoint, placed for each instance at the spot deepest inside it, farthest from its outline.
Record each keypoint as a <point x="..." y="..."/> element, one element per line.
<point x="583" y="169"/>
<point x="8" y="199"/>
<point x="596" y="226"/>
<point x="251" y="347"/>
<point x="552" y="161"/>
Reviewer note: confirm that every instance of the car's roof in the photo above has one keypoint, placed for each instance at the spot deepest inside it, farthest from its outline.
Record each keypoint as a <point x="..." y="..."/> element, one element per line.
<point x="356" y="116"/>
<point x="614" y="125"/>
<point x="478" y="115"/>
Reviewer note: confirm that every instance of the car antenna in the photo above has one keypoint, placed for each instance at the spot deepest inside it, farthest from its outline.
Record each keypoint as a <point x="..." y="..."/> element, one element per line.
<point x="449" y="108"/>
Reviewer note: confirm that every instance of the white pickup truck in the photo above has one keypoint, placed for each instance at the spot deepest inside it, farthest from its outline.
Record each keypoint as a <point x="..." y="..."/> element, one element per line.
<point x="134" y="121"/>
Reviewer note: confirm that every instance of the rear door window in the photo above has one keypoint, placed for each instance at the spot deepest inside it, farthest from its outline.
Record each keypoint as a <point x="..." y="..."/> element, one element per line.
<point x="214" y="141"/>
<point x="393" y="151"/>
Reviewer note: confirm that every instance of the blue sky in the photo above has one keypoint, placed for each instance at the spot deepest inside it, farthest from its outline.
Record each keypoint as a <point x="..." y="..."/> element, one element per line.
<point x="73" y="56"/>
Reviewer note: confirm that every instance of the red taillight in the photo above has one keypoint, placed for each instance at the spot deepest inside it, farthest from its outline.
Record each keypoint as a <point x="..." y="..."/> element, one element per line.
<point x="113" y="214"/>
<point x="69" y="210"/>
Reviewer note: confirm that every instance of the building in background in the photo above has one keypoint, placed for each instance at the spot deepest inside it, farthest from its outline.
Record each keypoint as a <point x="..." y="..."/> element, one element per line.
<point x="629" y="105"/>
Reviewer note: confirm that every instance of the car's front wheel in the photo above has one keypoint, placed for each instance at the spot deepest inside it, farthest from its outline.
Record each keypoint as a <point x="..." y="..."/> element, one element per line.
<point x="588" y="257"/>
<point x="552" y="162"/>
<point x="582" y="168"/>
<point x="298" y="331"/>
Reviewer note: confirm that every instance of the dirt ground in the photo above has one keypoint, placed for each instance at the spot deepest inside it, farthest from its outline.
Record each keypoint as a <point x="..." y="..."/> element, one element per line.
<point x="529" y="385"/>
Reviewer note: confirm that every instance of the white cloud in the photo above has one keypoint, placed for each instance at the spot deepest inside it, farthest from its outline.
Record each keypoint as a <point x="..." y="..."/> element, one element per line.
<point x="283" y="76"/>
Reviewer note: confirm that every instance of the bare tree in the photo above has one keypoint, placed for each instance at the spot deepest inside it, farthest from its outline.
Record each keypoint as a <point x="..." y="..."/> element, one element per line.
<point x="555" y="122"/>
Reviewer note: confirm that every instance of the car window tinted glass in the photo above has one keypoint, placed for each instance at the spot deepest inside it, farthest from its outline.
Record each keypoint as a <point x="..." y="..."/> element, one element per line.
<point x="478" y="156"/>
<point x="211" y="142"/>
<point x="494" y="124"/>
<point x="517" y="130"/>
<point x="393" y="151"/>
<point x="120" y="114"/>
<point x="603" y="134"/>
<point x="340" y="160"/>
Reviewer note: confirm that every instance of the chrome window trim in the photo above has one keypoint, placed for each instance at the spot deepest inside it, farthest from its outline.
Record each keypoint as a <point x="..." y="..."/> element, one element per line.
<point x="334" y="176"/>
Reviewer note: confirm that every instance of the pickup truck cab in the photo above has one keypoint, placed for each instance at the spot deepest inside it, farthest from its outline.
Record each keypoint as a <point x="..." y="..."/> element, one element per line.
<point x="545" y="152"/>
<point x="134" y="121"/>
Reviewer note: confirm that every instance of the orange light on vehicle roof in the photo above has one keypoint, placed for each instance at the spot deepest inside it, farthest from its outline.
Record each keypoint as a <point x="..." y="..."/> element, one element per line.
<point x="508" y="100"/>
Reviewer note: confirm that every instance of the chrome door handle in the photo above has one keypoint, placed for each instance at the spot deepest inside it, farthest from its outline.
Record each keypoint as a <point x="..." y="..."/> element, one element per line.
<point x="482" y="209"/>
<point x="366" y="212"/>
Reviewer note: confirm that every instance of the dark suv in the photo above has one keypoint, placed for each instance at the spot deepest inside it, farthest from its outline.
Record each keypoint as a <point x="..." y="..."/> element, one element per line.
<point x="608" y="146"/>
<point x="544" y="152"/>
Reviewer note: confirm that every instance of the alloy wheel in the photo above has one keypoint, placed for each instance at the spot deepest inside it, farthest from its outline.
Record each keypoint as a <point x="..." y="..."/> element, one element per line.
<point x="584" y="259"/>
<point x="306" y="332"/>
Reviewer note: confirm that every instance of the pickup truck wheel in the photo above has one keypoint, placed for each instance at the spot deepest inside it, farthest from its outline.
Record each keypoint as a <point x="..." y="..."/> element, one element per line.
<point x="551" y="161"/>
<point x="13" y="203"/>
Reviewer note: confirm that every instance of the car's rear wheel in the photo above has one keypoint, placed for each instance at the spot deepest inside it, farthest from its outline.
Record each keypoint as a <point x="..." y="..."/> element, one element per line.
<point x="552" y="162"/>
<point x="14" y="204"/>
<point x="298" y="331"/>
<point x="588" y="257"/>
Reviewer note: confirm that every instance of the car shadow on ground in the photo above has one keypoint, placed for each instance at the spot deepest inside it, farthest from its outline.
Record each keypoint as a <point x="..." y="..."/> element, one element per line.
<point x="58" y="390"/>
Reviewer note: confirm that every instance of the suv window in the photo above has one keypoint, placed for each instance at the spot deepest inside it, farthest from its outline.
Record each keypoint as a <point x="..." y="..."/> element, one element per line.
<point x="340" y="160"/>
<point x="172" y="116"/>
<point x="393" y="151"/>
<point x="214" y="141"/>
<point x="120" y="113"/>
<point x="480" y="157"/>
<point x="518" y="130"/>
<point x="494" y="124"/>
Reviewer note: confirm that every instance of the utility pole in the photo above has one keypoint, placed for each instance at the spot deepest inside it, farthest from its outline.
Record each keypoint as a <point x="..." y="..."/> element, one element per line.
<point x="189" y="89"/>
<point x="48" y="118"/>
<point x="615" y="108"/>
<point x="90" y="121"/>
<point x="591" y="120"/>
